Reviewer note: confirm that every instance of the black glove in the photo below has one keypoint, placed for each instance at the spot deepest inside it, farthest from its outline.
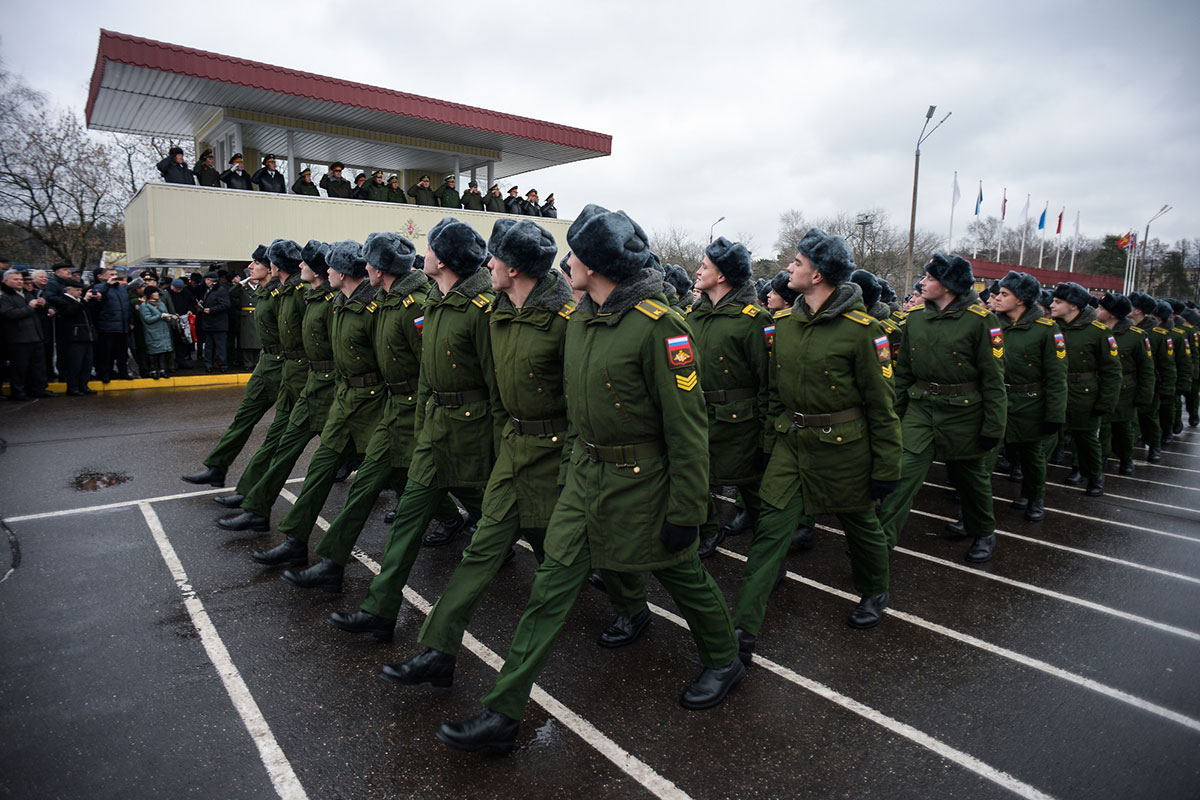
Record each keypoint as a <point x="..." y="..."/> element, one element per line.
<point x="1051" y="427"/>
<point x="763" y="460"/>
<point x="881" y="489"/>
<point x="988" y="442"/>
<point x="677" y="537"/>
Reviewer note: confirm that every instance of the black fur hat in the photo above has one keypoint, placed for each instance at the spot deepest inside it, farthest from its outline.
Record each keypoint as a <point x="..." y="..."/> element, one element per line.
<point x="1176" y="305"/>
<point x="869" y="285"/>
<point x="886" y="293"/>
<point x="761" y="287"/>
<point x="1164" y="312"/>
<point x="732" y="259"/>
<point x="1023" y="285"/>
<point x="523" y="245"/>
<point x="284" y="254"/>
<point x="1192" y="316"/>
<point x="609" y="242"/>
<point x="174" y="151"/>
<point x="260" y="254"/>
<point x="389" y="252"/>
<point x="346" y="257"/>
<point x="1142" y="302"/>
<point x="952" y="271"/>
<point x="313" y="254"/>
<point x="678" y="277"/>
<point x="458" y="246"/>
<point x="1045" y="297"/>
<point x="1072" y="293"/>
<point x="830" y="255"/>
<point x="1116" y="304"/>
<point x="565" y="263"/>
<point x="779" y="285"/>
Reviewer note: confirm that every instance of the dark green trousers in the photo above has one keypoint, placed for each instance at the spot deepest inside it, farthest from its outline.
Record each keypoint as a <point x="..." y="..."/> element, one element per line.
<point x="972" y="478"/>
<point x="318" y="480"/>
<point x="413" y="515"/>
<point x="262" y="494"/>
<point x="1166" y="416"/>
<point x="372" y="478"/>
<point x="1116" y="438"/>
<point x="748" y="498"/>
<point x="494" y="538"/>
<point x="260" y="462"/>
<point x="251" y="410"/>
<point x="555" y="589"/>
<point x="1193" y="399"/>
<point x="1150" y="428"/>
<point x="1032" y="458"/>
<point x="1086" y="443"/>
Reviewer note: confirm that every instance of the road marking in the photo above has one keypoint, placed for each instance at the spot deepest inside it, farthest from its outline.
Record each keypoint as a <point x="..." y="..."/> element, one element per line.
<point x="1003" y="652"/>
<point x="1112" y="496"/>
<point x="625" y="761"/>
<point x="1115" y="476"/>
<point x="126" y="503"/>
<point x="283" y="778"/>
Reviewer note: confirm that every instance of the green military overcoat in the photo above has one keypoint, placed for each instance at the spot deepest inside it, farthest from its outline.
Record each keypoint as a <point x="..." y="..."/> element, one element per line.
<point x="355" y="410"/>
<point x="1035" y="375"/>
<point x="1093" y="370"/>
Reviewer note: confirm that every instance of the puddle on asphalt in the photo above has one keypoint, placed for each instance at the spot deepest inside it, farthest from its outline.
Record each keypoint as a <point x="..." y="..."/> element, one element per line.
<point x="95" y="481"/>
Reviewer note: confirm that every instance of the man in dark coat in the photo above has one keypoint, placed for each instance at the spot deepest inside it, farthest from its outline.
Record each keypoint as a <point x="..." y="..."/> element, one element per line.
<point x="394" y="193"/>
<point x="494" y="202"/>
<point x="513" y="203"/>
<point x="304" y="184"/>
<point x="114" y="321"/>
<point x="472" y="200"/>
<point x="21" y="314"/>
<point x="421" y="194"/>
<point x="268" y="179"/>
<point x="548" y="207"/>
<point x="529" y="206"/>
<point x="334" y="184"/>
<point x="359" y="192"/>
<point x="206" y="174"/>
<point x="214" y="312"/>
<point x="174" y="169"/>
<point x="236" y="176"/>
<point x="447" y="194"/>
<point x="76" y="331"/>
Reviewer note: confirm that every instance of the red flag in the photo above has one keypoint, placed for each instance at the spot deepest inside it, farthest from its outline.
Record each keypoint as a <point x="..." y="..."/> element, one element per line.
<point x="1123" y="242"/>
<point x="1060" y="222"/>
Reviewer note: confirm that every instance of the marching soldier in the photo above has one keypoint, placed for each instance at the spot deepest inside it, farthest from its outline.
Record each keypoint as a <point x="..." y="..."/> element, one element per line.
<point x="1162" y="349"/>
<point x="1093" y="380"/>
<point x="421" y="194"/>
<point x="236" y="176"/>
<point x="638" y="444"/>
<point x="1137" y="380"/>
<point x="263" y="386"/>
<point x="472" y="200"/>
<point x="1184" y="359"/>
<point x="678" y="277"/>
<point x="304" y="184"/>
<point x="494" y="202"/>
<point x="334" y="184"/>
<point x="206" y="174"/>
<point x="780" y="295"/>
<point x="951" y="400"/>
<point x="267" y="179"/>
<point x="447" y="195"/>
<point x="1192" y="325"/>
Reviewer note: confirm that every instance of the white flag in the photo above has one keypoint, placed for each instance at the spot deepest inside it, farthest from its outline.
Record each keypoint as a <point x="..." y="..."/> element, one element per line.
<point x="957" y="193"/>
<point x="1024" y="213"/>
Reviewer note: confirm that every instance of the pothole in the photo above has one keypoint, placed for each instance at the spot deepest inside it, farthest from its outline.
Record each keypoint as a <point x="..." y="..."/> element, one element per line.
<point x="95" y="481"/>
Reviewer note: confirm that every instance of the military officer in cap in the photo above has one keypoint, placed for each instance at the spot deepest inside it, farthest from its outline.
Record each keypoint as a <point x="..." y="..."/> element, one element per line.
<point x="304" y="184"/>
<point x="472" y="200"/>
<point x="635" y="479"/>
<point x="395" y="194"/>
<point x="951" y="400"/>
<point x="548" y="207"/>
<point x="267" y="179"/>
<point x="236" y="176"/>
<point x="1137" y="380"/>
<point x="174" y="169"/>
<point x="421" y="194"/>
<point x="206" y="174"/>
<point x="263" y="386"/>
<point x="529" y="206"/>
<point x="513" y="203"/>
<point x="1162" y="350"/>
<point x="334" y="184"/>
<point x="835" y="446"/>
<point x="494" y="202"/>
<point x="1093" y="380"/>
<point x="377" y="190"/>
<point x="359" y="192"/>
<point x="447" y="194"/>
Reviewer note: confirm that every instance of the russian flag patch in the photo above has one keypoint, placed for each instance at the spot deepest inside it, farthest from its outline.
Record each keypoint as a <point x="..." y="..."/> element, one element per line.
<point x="679" y="351"/>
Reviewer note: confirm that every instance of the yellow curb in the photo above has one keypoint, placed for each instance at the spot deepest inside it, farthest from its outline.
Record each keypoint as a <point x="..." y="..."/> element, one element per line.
<point x="181" y="382"/>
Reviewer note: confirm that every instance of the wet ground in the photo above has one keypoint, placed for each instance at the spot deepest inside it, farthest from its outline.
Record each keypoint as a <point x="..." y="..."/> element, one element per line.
<point x="143" y="654"/>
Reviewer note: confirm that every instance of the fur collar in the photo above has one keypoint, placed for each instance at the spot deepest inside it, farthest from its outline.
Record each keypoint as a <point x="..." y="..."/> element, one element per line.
<point x="1122" y="325"/>
<point x="551" y="293"/>
<point x="409" y="282"/>
<point x="629" y="292"/>
<point x="1082" y="320"/>
<point x="844" y="297"/>
<point x="741" y="297"/>
<point x="477" y="282"/>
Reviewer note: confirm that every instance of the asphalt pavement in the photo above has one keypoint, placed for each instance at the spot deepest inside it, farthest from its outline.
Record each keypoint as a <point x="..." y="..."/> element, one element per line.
<point x="143" y="653"/>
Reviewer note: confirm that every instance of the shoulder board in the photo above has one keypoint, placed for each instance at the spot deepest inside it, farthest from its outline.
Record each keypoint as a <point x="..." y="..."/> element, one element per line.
<point x="1098" y="324"/>
<point x="567" y="309"/>
<point x="330" y="295"/>
<point x="274" y="292"/>
<point x="1044" y="321"/>
<point x="889" y="326"/>
<point x="652" y="309"/>
<point x="481" y="300"/>
<point x="914" y="308"/>
<point x="1136" y="329"/>
<point x="750" y="310"/>
<point x="408" y="300"/>
<point x="977" y="309"/>
<point x="1160" y="330"/>
<point x="1178" y="330"/>
<point x="858" y="316"/>
<point x="371" y="306"/>
<point x="782" y="313"/>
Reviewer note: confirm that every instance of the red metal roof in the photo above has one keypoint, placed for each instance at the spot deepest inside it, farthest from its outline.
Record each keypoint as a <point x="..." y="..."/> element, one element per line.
<point x="135" y="51"/>
<point x="1047" y="277"/>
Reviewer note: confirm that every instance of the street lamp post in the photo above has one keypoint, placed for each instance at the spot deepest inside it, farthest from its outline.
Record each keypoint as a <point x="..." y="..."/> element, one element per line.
<point x="710" y="230"/>
<point x="1146" y="241"/>
<point x="864" y="221"/>
<point x="912" y="225"/>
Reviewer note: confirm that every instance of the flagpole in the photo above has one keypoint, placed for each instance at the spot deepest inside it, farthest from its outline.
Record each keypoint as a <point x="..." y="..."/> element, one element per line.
<point x="1024" y="230"/>
<point x="1000" y="230"/>
<point x="953" y="202"/>
<point x="975" y="253"/>
<point x="1128" y="270"/>
<point x="1075" y="244"/>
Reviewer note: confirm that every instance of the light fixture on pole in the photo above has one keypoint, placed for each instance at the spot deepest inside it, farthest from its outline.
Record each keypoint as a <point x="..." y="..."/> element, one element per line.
<point x="710" y="229"/>
<point x="912" y="225"/>
<point x="1146" y="241"/>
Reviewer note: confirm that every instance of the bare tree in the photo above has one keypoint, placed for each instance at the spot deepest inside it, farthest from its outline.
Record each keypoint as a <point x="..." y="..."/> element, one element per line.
<point x="675" y="246"/>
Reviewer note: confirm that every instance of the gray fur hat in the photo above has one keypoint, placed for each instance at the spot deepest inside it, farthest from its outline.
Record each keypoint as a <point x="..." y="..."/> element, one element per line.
<point x="523" y="245"/>
<point x="732" y="259"/>
<point x="259" y="254"/>
<point x="1072" y="293"/>
<point x="1045" y="297"/>
<point x="886" y="293"/>
<point x="1164" y="312"/>
<point x="657" y="265"/>
<point x="609" y="242"/>
<point x="565" y="263"/>
<point x="779" y="285"/>
<point x="389" y="252"/>
<point x="1192" y="316"/>
<point x="458" y="246"/>
<point x="346" y="257"/>
<point x="952" y="271"/>
<point x="1116" y="304"/>
<point x="869" y="284"/>
<point x="1023" y="285"/>
<point x="678" y="277"/>
<point x="829" y="254"/>
<point x="761" y="287"/>
<point x="313" y="254"/>
<point x="284" y="254"/>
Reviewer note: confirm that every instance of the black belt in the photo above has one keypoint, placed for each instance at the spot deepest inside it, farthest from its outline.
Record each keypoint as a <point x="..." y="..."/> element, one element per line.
<point x="271" y="350"/>
<point x="717" y="396"/>
<point x="321" y="366"/>
<point x="538" y="427"/>
<point x="402" y="387"/>
<point x="1080" y="377"/>
<point x="950" y="389"/>
<point x="456" y="399"/>
<point x="362" y="381"/>
<point x="623" y="455"/>
<point x="1029" y="388"/>
<point x="296" y="354"/>
<point x="801" y="420"/>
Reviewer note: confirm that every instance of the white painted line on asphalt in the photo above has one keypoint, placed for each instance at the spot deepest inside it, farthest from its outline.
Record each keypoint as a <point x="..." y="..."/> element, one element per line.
<point x="283" y="778"/>
<point x="1029" y="587"/>
<point x="1088" y="553"/>
<point x="940" y="748"/>
<point x="625" y="761"/>
<point x="1003" y="652"/>
<point x="1167" y="466"/>
<point x="1116" y="477"/>
<point x="1112" y="496"/>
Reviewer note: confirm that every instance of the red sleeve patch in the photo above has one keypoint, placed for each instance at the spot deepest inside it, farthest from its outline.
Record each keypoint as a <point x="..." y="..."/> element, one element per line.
<point x="679" y="351"/>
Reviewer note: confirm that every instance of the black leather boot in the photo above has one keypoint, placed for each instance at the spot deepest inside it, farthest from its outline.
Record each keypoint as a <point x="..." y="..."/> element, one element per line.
<point x="710" y="688"/>
<point x="708" y="545"/>
<point x="1095" y="486"/>
<point x="1036" y="511"/>
<point x="741" y="522"/>
<point x="1177" y="428"/>
<point x="802" y="538"/>
<point x="445" y="531"/>
<point x="956" y="529"/>
<point x="1154" y="455"/>
<point x="1003" y="464"/>
<point x="625" y="630"/>
<point x="246" y="521"/>
<point x="290" y="551"/>
<point x="981" y="549"/>
<point x="326" y="575"/>
<point x="230" y="500"/>
<point x="390" y="517"/>
<point x="1021" y="503"/>
<point x="1074" y="478"/>
<point x="359" y="621"/>
<point x="1126" y="467"/>
<point x="1017" y="475"/>
<point x="596" y="580"/>
<point x="869" y="611"/>
<point x="210" y="475"/>
<point x="432" y="666"/>
<point x="746" y="644"/>
<point x="490" y="729"/>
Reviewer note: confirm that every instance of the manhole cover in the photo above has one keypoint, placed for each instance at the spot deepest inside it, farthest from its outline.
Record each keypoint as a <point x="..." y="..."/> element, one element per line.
<point x="94" y="481"/>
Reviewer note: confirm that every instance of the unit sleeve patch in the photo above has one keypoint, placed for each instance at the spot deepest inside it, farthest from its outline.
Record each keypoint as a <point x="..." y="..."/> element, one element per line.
<point x="883" y="350"/>
<point x="769" y="336"/>
<point x="1112" y="346"/>
<point x="679" y="351"/>
<point x="997" y="342"/>
<point x="1060" y="345"/>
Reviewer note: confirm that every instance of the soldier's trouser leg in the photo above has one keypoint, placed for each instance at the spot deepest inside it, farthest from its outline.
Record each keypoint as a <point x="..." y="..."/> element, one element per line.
<point x="772" y="535"/>
<point x="493" y="539"/>
<point x="260" y="494"/>
<point x="894" y="511"/>
<point x="261" y="460"/>
<point x="974" y="480"/>
<point x="708" y="528"/>
<point x="1121" y="434"/>
<point x="869" y="564"/>
<point x="1087" y="451"/>
<point x="244" y="419"/>
<point x="626" y="591"/>
<point x="1193" y="400"/>
<point x="1177" y="417"/>
<point x="1151" y="431"/>
<point x="1032" y="458"/>
<point x="1166" y="416"/>
<point x="374" y="475"/>
<point x="702" y="605"/>
<point x="318" y="480"/>
<point x="413" y="514"/>
<point x="1106" y="436"/>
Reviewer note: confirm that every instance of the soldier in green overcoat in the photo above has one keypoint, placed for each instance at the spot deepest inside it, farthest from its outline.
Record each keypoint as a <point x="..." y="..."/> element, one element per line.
<point x="421" y="194"/>
<point x="951" y="400"/>
<point x="494" y="201"/>
<point x="395" y="193"/>
<point x="263" y="386"/>
<point x="472" y="200"/>
<point x="1137" y="380"/>
<point x="835" y="438"/>
<point x="1191" y="324"/>
<point x="377" y="190"/>
<point x="1162" y="350"/>
<point x="304" y="184"/>
<point x="1184" y="360"/>
<point x="447" y="195"/>
<point x="1093" y="380"/>
<point x="636" y="477"/>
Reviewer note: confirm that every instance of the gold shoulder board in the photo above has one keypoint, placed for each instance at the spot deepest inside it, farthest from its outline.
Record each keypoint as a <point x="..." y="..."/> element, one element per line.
<point x="1136" y="329"/>
<point x="1097" y="323"/>
<point x="481" y="300"/>
<point x="1044" y="321"/>
<point x="855" y="315"/>
<point x="408" y="301"/>
<point x="750" y="310"/>
<point x="782" y="313"/>
<point x="567" y="309"/>
<point x="977" y="309"/>
<point x="651" y="309"/>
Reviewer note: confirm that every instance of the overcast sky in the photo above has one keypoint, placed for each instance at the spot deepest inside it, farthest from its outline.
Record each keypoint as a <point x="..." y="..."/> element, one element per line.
<point x="747" y="109"/>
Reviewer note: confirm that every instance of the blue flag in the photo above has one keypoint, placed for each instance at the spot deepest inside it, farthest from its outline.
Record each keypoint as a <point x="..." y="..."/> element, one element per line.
<point x="979" y="199"/>
<point x="1042" y="221"/>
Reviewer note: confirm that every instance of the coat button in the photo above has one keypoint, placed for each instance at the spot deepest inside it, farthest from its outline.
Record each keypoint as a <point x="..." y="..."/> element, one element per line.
<point x="734" y="416"/>
<point x="554" y="438"/>
<point x="637" y="470"/>
<point x="467" y="414"/>
<point x="616" y="405"/>
<point x="839" y="438"/>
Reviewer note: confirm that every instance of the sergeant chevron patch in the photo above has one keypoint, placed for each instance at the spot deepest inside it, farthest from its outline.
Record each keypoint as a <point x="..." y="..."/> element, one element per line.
<point x="687" y="382"/>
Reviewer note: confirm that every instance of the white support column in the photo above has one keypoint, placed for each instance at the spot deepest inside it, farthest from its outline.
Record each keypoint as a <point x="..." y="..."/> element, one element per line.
<point x="456" y="172"/>
<point x="293" y="169"/>
<point x="491" y="173"/>
<point x="473" y="178"/>
<point x="237" y="140"/>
